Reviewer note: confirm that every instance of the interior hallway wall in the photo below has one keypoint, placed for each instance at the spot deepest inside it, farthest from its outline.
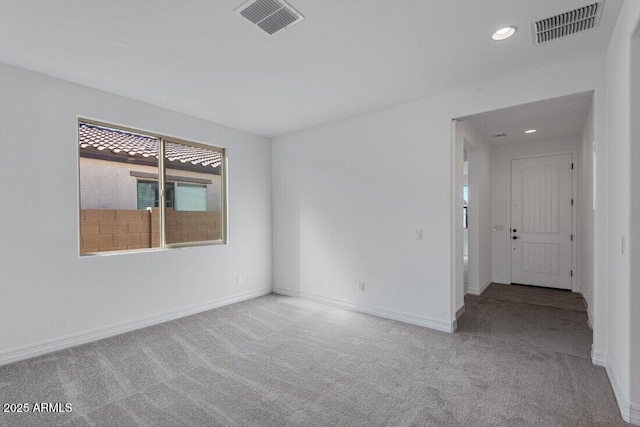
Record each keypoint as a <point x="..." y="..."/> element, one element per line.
<point x="479" y="152"/>
<point x="634" y="239"/>
<point x="585" y="238"/>
<point x="622" y="357"/>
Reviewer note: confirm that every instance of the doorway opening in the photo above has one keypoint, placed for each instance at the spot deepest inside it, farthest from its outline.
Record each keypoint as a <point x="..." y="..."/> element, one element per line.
<point x="525" y="175"/>
<point x="465" y="218"/>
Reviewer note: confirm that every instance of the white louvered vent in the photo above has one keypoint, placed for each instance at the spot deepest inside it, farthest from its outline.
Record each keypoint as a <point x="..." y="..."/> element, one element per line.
<point x="565" y="24"/>
<point x="271" y="16"/>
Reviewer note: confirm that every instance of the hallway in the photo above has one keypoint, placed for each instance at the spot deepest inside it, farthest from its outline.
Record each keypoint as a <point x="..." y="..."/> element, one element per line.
<point x="536" y="342"/>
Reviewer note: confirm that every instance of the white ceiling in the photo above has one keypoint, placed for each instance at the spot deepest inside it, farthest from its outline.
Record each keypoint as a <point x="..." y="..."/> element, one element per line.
<point x="345" y="58"/>
<point x="553" y="119"/>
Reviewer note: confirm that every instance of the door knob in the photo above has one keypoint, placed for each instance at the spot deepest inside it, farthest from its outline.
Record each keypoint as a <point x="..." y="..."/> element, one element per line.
<point x="515" y="237"/>
<point x="515" y="231"/>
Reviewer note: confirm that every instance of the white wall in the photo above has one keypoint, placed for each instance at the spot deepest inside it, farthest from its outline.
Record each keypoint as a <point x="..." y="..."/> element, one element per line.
<point x="622" y="357"/>
<point x="49" y="293"/>
<point x="584" y="237"/>
<point x="634" y="237"/>
<point x="479" y="152"/>
<point x="348" y="196"/>
<point x="500" y="176"/>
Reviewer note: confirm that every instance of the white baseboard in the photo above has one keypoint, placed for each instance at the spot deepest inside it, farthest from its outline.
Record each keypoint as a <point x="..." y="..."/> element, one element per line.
<point x="501" y="281"/>
<point x="439" y="325"/>
<point x="634" y="415"/>
<point x="56" y="344"/>
<point x="589" y="316"/>
<point x="598" y="358"/>
<point x="460" y="312"/>
<point x="484" y="286"/>
<point x="477" y="292"/>
<point x="629" y="412"/>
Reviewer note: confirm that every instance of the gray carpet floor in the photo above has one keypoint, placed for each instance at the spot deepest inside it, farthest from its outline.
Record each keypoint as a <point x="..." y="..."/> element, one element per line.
<point x="536" y="295"/>
<point x="278" y="361"/>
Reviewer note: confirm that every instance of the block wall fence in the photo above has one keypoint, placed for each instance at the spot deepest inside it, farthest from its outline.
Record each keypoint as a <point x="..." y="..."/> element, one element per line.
<point x="107" y="230"/>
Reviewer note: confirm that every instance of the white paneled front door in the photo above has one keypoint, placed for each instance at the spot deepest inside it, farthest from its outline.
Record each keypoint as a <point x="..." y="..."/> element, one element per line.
<point x="541" y="212"/>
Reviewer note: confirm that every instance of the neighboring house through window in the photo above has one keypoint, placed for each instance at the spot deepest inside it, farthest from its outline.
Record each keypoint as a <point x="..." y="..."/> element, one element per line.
<point x="121" y="207"/>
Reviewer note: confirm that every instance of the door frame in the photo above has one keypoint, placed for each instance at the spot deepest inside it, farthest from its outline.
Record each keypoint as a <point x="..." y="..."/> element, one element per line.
<point x="574" y="210"/>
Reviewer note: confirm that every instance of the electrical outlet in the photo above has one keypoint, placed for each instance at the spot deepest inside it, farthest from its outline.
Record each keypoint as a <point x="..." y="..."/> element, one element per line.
<point x="418" y="234"/>
<point x="361" y="286"/>
<point x="238" y="280"/>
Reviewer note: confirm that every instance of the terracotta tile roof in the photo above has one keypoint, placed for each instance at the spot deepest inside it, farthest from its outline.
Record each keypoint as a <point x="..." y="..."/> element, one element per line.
<point x="142" y="146"/>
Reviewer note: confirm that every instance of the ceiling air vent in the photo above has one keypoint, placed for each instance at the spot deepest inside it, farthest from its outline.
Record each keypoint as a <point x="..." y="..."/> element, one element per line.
<point x="270" y="15"/>
<point x="565" y="24"/>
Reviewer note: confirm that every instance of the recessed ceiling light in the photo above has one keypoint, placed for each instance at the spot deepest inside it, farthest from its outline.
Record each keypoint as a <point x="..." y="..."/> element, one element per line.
<point x="504" y="33"/>
<point x="530" y="131"/>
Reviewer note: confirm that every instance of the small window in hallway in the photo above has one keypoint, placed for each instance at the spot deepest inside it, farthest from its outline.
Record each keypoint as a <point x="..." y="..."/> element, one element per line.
<point x="465" y="207"/>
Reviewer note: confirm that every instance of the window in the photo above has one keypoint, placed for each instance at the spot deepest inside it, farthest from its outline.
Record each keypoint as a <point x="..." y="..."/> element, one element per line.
<point x="191" y="197"/>
<point x="465" y="207"/>
<point x="121" y="206"/>
<point x="149" y="196"/>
